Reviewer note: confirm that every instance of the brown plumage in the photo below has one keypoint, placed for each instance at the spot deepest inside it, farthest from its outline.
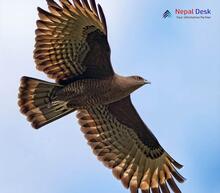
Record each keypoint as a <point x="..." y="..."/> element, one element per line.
<point x="72" y="48"/>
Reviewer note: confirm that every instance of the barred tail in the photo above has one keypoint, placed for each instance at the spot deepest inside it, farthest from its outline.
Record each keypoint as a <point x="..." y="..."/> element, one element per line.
<point x="35" y="102"/>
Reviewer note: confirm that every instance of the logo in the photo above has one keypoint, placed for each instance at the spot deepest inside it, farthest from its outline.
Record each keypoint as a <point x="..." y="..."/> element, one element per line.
<point x="193" y="11"/>
<point x="167" y="14"/>
<point x="188" y="13"/>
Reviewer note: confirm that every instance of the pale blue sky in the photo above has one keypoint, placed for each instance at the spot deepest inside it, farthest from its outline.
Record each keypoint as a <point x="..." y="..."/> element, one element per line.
<point x="182" y="106"/>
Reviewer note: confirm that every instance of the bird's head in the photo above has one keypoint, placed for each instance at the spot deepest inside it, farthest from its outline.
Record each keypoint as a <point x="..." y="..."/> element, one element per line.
<point x="129" y="84"/>
<point x="139" y="81"/>
<point x="135" y="82"/>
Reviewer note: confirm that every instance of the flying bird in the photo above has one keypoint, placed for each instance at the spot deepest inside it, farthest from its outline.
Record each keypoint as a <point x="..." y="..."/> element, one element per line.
<point x="72" y="48"/>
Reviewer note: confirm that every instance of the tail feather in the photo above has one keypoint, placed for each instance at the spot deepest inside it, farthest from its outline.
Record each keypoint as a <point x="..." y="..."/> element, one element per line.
<point x="35" y="102"/>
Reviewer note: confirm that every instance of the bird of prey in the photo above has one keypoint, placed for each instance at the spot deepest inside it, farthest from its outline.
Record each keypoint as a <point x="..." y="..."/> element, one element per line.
<point x="72" y="48"/>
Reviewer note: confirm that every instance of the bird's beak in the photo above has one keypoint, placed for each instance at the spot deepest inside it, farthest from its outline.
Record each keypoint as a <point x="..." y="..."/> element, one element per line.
<point x="147" y="82"/>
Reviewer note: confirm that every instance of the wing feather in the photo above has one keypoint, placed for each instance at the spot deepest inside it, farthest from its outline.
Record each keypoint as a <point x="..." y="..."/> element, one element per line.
<point x="138" y="163"/>
<point x="102" y="17"/>
<point x="93" y="6"/>
<point x="86" y="4"/>
<point x="71" y="41"/>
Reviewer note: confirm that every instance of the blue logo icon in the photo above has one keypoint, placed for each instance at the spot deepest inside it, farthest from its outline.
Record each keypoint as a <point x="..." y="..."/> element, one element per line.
<point x="167" y="14"/>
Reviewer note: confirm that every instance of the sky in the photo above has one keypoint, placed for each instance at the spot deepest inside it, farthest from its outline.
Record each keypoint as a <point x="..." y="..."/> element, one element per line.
<point x="181" y="57"/>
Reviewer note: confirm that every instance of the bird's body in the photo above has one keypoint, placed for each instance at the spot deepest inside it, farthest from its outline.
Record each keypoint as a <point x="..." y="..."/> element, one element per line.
<point x="91" y="92"/>
<point x="72" y="48"/>
<point x="74" y="93"/>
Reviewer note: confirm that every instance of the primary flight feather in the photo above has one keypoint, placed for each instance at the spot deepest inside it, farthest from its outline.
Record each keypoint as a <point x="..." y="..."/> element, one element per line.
<point x="72" y="48"/>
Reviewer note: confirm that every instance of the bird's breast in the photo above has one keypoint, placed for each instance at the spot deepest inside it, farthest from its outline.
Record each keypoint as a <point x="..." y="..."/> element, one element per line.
<point x="91" y="92"/>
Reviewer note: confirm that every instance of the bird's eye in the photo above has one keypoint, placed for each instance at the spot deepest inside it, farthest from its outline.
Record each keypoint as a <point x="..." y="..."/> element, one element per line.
<point x="139" y="78"/>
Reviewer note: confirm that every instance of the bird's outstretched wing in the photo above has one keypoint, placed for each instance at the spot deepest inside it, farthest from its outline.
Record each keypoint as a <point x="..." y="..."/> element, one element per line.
<point x="123" y="143"/>
<point x="71" y="41"/>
